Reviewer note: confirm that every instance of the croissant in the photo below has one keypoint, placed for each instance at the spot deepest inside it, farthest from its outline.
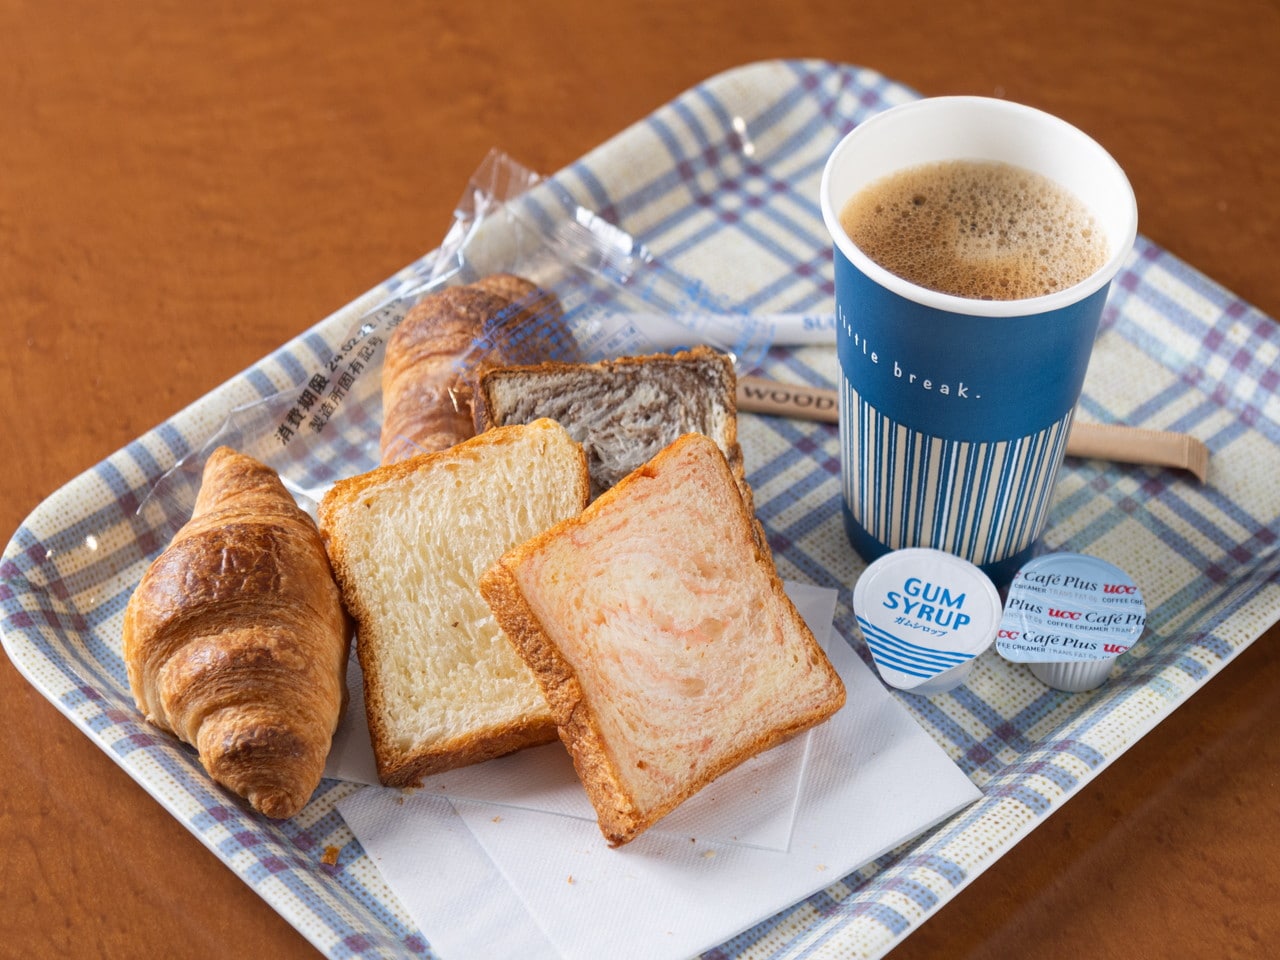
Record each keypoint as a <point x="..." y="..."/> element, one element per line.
<point x="436" y="354"/>
<point x="236" y="641"/>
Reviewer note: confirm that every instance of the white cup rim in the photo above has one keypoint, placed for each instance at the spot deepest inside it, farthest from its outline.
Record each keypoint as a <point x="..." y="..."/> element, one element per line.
<point x="1120" y="241"/>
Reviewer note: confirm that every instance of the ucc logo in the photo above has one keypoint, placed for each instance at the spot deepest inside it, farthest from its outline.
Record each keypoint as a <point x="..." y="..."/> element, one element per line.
<point x="1113" y="648"/>
<point x="1119" y="588"/>
<point x="1008" y="635"/>
<point x="1064" y="614"/>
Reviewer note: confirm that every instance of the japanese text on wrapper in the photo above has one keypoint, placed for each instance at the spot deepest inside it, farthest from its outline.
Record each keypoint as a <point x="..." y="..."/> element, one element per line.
<point x="324" y="392"/>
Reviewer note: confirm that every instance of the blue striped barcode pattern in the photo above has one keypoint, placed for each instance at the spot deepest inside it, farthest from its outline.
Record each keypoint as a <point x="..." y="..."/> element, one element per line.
<point x="983" y="501"/>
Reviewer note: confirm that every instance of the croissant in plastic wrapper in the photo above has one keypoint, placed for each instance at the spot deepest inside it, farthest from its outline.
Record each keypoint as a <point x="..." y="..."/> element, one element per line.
<point x="236" y="641"/>
<point x="436" y="354"/>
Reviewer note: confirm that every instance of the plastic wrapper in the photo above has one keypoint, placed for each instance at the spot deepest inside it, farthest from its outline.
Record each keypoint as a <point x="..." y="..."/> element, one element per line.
<point x="615" y="299"/>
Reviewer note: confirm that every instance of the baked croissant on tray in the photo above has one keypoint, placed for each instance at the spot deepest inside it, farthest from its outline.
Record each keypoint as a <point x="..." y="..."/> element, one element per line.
<point x="236" y="640"/>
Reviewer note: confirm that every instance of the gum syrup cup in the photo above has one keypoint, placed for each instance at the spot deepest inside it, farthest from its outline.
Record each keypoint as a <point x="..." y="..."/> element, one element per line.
<point x="1069" y="617"/>
<point x="926" y="615"/>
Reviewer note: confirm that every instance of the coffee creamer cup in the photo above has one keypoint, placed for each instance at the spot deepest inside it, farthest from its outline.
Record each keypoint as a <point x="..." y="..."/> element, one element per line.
<point x="1069" y="616"/>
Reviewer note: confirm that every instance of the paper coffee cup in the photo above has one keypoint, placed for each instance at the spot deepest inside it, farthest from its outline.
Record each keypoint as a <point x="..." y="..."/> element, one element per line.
<point x="954" y="412"/>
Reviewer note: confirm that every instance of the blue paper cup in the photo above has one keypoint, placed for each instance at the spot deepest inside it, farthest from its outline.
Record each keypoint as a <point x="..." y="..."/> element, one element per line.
<point x="954" y="412"/>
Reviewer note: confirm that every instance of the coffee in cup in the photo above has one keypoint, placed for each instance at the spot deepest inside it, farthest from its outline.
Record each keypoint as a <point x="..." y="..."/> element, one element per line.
<point x="984" y="230"/>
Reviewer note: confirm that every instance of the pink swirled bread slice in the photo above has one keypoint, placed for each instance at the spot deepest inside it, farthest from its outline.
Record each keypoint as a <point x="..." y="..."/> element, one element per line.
<point x="658" y="629"/>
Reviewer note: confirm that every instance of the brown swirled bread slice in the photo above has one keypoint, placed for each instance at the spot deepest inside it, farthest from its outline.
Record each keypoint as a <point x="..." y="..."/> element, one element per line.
<point x="660" y="634"/>
<point x="408" y="542"/>
<point x="622" y="411"/>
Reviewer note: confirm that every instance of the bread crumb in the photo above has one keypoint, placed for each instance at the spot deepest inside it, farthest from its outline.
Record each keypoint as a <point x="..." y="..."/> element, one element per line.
<point x="570" y="880"/>
<point x="822" y="866"/>
<point x="330" y="856"/>
<point x="497" y="819"/>
<point x="708" y="854"/>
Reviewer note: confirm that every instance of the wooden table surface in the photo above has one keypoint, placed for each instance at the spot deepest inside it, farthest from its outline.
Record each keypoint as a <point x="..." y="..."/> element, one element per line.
<point x="186" y="186"/>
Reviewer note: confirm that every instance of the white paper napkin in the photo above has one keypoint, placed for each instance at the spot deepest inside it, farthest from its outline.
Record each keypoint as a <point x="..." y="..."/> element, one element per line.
<point x="486" y="873"/>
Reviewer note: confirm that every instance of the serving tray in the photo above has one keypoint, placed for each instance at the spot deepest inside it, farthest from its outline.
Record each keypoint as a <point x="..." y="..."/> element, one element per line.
<point x="721" y="186"/>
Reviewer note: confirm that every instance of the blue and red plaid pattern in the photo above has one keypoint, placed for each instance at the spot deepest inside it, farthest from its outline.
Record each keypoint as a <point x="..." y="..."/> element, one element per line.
<point x="721" y="186"/>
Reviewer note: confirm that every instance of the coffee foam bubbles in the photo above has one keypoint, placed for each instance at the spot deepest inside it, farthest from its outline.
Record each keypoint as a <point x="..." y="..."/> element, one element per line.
<point x="976" y="229"/>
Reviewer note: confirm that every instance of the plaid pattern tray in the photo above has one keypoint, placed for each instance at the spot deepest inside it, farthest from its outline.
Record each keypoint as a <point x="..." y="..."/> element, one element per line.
<point x="721" y="185"/>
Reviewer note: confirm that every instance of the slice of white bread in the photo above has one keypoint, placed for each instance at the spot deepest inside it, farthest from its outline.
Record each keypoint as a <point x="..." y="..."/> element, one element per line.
<point x="622" y="411"/>
<point x="657" y="625"/>
<point x="408" y="543"/>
